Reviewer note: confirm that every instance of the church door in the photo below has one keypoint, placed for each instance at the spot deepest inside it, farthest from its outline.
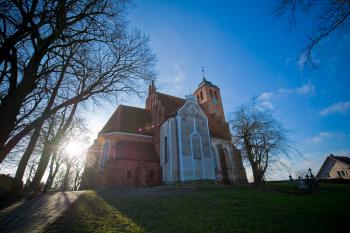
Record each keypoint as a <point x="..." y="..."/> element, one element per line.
<point x="223" y="164"/>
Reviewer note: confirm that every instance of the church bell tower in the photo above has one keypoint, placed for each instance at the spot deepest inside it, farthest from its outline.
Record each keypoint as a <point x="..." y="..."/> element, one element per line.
<point x="208" y="95"/>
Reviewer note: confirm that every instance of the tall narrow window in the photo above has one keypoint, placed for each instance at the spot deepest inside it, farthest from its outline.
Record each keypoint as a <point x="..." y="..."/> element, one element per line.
<point x="128" y="174"/>
<point x="211" y="93"/>
<point x="214" y="158"/>
<point x="201" y="93"/>
<point x="196" y="146"/>
<point x="105" y="154"/>
<point x="216" y="97"/>
<point x="165" y="150"/>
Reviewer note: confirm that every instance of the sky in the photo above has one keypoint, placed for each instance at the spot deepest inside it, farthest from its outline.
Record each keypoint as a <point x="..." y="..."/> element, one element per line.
<point x="248" y="52"/>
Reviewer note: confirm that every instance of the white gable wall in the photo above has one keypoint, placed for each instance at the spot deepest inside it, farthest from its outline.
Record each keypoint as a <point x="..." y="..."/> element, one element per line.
<point x="331" y="167"/>
<point x="194" y="143"/>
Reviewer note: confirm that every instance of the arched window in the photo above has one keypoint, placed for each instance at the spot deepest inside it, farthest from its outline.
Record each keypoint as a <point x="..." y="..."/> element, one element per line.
<point x="214" y="158"/>
<point x="165" y="149"/>
<point x="128" y="174"/>
<point x="105" y="154"/>
<point x="196" y="146"/>
<point x="201" y="93"/>
<point x="228" y="158"/>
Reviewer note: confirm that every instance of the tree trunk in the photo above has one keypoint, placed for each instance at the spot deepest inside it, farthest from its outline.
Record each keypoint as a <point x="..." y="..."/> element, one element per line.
<point x="26" y="155"/>
<point x="52" y="172"/>
<point x="44" y="161"/>
<point x="257" y="175"/>
<point x="65" y="180"/>
<point x="76" y="180"/>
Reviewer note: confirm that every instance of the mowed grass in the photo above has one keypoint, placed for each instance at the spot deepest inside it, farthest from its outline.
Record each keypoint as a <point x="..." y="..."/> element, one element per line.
<point x="209" y="208"/>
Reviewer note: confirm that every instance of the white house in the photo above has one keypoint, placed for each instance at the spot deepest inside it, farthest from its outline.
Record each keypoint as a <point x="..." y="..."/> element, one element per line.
<point x="335" y="167"/>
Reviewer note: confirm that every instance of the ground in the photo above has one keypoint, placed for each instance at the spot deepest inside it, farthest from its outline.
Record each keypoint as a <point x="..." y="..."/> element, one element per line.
<point x="37" y="214"/>
<point x="208" y="208"/>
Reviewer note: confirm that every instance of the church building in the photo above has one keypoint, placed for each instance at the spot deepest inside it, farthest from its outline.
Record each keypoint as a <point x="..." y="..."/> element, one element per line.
<point x="172" y="140"/>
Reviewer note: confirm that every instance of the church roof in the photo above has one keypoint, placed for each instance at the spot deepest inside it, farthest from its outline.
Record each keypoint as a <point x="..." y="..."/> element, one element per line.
<point x="129" y="120"/>
<point x="206" y="82"/>
<point x="218" y="129"/>
<point x="172" y="104"/>
<point x="132" y="150"/>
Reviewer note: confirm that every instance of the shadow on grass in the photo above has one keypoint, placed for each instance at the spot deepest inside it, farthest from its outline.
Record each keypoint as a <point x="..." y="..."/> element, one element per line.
<point x="206" y="209"/>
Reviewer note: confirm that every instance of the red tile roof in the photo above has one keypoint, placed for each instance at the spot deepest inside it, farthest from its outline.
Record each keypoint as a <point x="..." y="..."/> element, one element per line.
<point x="138" y="121"/>
<point x="131" y="150"/>
<point x="129" y="120"/>
<point x="170" y="103"/>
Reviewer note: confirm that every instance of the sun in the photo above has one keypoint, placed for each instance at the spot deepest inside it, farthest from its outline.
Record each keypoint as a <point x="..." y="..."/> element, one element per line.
<point x="75" y="148"/>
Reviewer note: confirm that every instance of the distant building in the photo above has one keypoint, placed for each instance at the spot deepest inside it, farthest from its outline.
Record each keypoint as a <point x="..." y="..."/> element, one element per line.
<point x="335" y="167"/>
<point x="170" y="140"/>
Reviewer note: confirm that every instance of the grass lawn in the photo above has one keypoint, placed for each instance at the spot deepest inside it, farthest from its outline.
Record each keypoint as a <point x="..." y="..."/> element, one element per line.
<point x="209" y="208"/>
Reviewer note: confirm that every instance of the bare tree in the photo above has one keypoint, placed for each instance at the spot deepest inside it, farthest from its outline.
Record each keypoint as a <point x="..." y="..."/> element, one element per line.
<point x="330" y="16"/>
<point x="55" y="54"/>
<point x="58" y="128"/>
<point x="260" y="137"/>
<point x="55" y="165"/>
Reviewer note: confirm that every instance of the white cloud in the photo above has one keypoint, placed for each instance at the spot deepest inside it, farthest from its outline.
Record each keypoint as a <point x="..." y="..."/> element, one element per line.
<point x="307" y="89"/>
<point x="174" y="81"/>
<point x="285" y="91"/>
<point x="264" y="100"/>
<point x="265" y="96"/>
<point x="301" y="62"/>
<point x="340" y="107"/>
<point x="320" y="137"/>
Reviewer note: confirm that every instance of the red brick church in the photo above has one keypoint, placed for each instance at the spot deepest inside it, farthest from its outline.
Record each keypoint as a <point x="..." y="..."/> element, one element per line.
<point x="171" y="140"/>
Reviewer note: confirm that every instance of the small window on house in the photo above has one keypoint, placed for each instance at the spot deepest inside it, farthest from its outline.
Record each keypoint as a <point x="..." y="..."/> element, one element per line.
<point x="151" y="174"/>
<point x="346" y="172"/>
<point x="342" y="173"/>
<point x="338" y="172"/>
<point x="128" y="174"/>
<point x="201" y="93"/>
<point x="165" y="150"/>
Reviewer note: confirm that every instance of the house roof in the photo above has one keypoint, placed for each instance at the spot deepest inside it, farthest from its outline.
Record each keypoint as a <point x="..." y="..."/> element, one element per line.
<point x="133" y="150"/>
<point x="343" y="159"/>
<point x="129" y="120"/>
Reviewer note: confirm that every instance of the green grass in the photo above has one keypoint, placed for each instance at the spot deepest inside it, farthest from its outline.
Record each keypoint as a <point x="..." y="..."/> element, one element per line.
<point x="209" y="208"/>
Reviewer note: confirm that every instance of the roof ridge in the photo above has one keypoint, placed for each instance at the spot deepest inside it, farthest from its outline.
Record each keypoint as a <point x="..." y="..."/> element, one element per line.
<point x="170" y="96"/>
<point x="128" y="106"/>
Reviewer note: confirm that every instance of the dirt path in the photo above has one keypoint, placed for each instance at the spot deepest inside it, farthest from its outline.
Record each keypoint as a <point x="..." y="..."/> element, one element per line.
<point x="35" y="215"/>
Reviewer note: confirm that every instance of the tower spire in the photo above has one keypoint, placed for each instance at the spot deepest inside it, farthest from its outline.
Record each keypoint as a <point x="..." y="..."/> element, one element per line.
<point x="203" y="72"/>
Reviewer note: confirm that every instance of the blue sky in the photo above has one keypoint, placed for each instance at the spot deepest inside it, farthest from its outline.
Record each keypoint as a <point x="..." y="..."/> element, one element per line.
<point x="247" y="52"/>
